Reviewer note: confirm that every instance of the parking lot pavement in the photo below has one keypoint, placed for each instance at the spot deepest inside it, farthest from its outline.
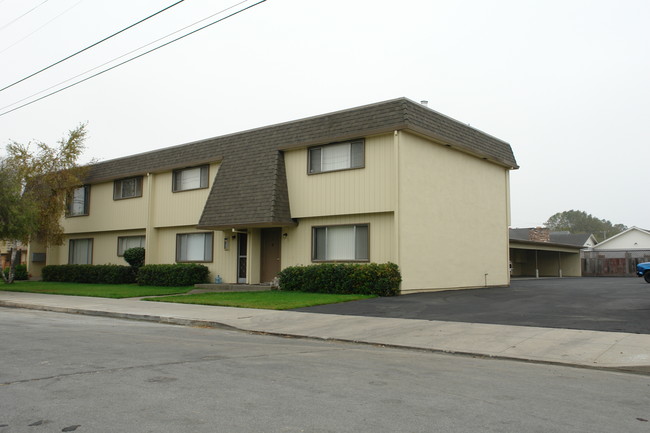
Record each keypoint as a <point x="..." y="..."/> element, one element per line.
<point x="597" y="304"/>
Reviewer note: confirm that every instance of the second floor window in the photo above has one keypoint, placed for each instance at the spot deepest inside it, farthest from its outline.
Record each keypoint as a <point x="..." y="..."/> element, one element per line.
<point x="127" y="188"/>
<point x="190" y="178"/>
<point x="79" y="201"/>
<point x="338" y="156"/>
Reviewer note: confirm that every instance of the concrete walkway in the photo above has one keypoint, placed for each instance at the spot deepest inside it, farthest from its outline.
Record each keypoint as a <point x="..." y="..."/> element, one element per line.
<point x="592" y="349"/>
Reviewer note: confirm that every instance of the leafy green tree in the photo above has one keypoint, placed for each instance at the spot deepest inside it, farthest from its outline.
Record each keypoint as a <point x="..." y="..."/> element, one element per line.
<point x="34" y="186"/>
<point x="576" y="221"/>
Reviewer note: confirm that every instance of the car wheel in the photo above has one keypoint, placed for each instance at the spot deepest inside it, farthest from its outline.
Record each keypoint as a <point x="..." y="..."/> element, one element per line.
<point x="646" y="277"/>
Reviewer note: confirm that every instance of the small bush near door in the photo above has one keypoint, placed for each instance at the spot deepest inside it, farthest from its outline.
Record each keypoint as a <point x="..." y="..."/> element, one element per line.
<point x="342" y="278"/>
<point x="182" y="274"/>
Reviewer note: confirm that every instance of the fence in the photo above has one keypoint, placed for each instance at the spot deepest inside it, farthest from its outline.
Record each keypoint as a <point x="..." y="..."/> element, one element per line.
<point x="612" y="263"/>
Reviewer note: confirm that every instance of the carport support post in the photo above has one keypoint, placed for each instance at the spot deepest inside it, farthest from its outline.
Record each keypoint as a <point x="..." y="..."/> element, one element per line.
<point x="536" y="266"/>
<point x="559" y="263"/>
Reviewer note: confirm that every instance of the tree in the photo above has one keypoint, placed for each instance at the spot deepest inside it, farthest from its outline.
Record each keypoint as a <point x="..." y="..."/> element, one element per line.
<point x="576" y="221"/>
<point x="34" y="187"/>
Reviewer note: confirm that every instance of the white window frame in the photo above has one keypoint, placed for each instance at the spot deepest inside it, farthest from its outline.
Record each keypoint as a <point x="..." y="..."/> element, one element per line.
<point x="118" y="188"/>
<point x="358" y="237"/>
<point x="123" y="241"/>
<point x="348" y="155"/>
<point x="203" y="180"/>
<point x="79" y="202"/>
<point x="183" y="241"/>
<point x="73" y="244"/>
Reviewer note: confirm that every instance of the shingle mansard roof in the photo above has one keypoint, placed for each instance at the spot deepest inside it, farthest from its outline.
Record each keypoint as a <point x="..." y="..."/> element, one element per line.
<point x="250" y="189"/>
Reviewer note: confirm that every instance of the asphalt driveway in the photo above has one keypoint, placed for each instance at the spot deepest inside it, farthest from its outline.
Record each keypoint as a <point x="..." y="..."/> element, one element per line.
<point x="597" y="304"/>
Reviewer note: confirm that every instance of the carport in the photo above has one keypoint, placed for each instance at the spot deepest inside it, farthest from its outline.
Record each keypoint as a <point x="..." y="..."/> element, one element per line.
<point x="544" y="259"/>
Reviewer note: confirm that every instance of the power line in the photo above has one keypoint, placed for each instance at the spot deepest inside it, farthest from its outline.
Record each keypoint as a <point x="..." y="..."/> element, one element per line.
<point x="133" y="58"/>
<point x="123" y="55"/>
<point x="91" y="46"/>
<point x="17" y="18"/>
<point x="25" y="37"/>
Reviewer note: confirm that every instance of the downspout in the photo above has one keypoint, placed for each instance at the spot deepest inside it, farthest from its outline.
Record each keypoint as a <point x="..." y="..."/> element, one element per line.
<point x="149" y="243"/>
<point x="508" y="221"/>
<point x="397" y="204"/>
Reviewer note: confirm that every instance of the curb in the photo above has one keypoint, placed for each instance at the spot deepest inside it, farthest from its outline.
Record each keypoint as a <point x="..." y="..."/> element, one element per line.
<point x="639" y="370"/>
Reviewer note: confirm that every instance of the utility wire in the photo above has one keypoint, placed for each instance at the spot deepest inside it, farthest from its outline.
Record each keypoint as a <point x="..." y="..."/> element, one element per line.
<point x="25" y="37"/>
<point x="124" y="55"/>
<point x="17" y="18"/>
<point x="131" y="59"/>
<point x="91" y="46"/>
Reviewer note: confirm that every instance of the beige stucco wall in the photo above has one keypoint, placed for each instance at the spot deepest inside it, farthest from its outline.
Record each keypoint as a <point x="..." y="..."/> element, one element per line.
<point x="440" y="214"/>
<point x="452" y="217"/>
<point x="104" y="247"/>
<point x="106" y="214"/>
<point x="158" y="206"/>
<point x="178" y="208"/>
<point x="296" y="247"/>
<point x="365" y="190"/>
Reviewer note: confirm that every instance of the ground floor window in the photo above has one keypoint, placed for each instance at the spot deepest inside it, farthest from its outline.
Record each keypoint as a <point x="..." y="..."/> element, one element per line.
<point x="194" y="247"/>
<point x="340" y="243"/>
<point x="80" y="252"/>
<point x="126" y="242"/>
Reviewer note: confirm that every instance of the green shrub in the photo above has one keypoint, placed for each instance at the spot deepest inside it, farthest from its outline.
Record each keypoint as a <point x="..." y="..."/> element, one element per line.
<point x="182" y="274"/>
<point x="342" y="278"/>
<point x="20" y="273"/>
<point x="134" y="257"/>
<point x="92" y="274"/>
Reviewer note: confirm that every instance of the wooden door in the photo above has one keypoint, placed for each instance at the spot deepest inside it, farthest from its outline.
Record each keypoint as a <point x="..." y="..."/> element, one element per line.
<point x="270" y="254"/>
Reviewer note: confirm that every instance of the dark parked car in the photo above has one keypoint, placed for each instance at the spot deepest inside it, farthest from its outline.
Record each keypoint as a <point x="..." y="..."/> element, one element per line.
<point x="643" y="270"/>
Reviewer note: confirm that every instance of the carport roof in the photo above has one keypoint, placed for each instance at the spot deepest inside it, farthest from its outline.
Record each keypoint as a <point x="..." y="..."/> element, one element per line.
<point x="544" y="246"/>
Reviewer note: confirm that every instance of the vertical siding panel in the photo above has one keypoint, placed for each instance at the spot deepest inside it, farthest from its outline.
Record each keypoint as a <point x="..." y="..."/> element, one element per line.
<point x="365" y="190"/>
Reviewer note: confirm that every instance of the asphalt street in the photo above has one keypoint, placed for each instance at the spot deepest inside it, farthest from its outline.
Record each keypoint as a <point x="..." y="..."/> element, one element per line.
<point x="64" y="372"/>
<point x="597" y="304"/>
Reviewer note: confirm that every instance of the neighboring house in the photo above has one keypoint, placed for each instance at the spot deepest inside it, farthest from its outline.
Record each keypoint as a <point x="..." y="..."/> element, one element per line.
<point x="5" y="254"/>
<point x="388" y="182"/>
<point x="538" y="252"/>
<point x="583" y="240"/>
<point x="618" y="255"/>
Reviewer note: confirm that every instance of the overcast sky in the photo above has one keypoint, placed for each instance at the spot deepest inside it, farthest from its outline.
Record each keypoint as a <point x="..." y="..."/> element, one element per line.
<point x="566" y="83"/>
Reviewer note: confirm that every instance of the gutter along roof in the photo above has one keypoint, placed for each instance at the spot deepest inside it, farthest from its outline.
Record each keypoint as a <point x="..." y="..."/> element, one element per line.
<point x="250" y="189"/>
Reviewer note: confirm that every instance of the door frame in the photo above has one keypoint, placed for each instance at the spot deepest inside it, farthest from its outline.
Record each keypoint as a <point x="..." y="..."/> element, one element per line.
<point x="242" y="258"/>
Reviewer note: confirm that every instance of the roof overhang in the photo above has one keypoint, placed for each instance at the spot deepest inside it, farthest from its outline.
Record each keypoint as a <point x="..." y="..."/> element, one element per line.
<point x="544" y="246"/>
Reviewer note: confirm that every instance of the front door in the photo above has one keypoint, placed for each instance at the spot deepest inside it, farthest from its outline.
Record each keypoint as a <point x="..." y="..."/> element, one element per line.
<point x="270" y="254"/>
<point x="242" y="256"/>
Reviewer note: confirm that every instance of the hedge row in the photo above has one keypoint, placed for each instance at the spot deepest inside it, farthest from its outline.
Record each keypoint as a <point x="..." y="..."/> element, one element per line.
<point x="340" y="278"/>
<point x="182" y="274"/>
<point x="93" y="274"/>
<point x="148" y="275"/>
<point x="20" y="273"/>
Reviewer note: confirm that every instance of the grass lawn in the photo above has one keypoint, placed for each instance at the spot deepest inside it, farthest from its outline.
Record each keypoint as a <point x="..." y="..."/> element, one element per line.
<point x="269" y="300"/>
<point x="97" y="290"/>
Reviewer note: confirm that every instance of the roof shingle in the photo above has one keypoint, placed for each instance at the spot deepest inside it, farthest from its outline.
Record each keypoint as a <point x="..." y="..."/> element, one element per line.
<point x="250" y="188"/>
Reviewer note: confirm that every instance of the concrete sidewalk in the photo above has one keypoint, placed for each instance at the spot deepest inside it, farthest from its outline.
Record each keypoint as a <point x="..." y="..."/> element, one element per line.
<point x="559" y="346"/>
